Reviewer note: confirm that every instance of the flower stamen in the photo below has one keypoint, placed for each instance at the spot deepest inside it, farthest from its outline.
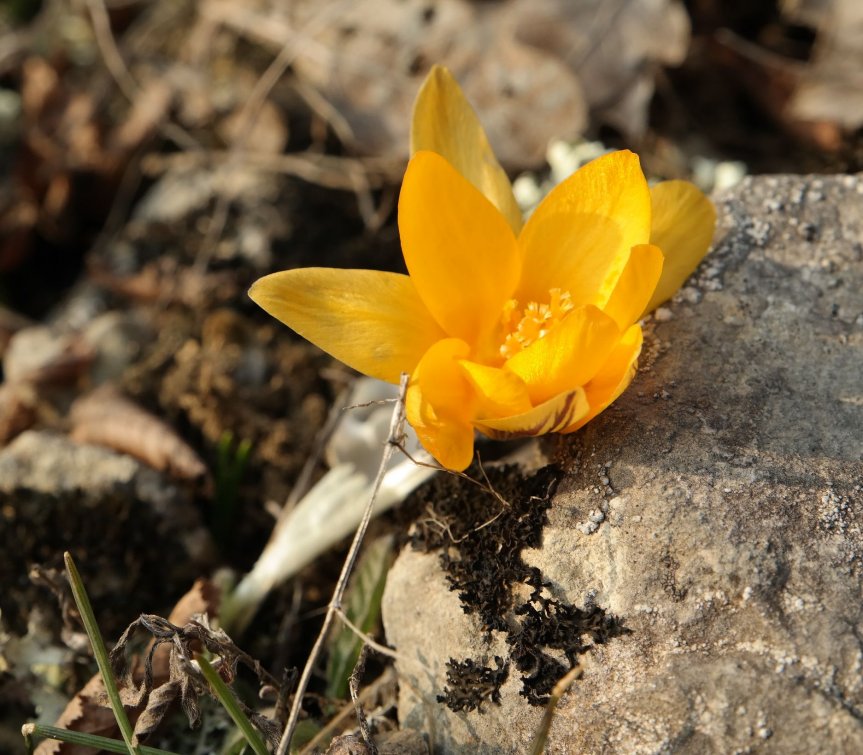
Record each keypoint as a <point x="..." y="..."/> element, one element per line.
<point x="520" y="328"/>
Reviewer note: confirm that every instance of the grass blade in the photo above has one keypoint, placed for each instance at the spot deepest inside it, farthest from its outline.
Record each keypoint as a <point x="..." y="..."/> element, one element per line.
<point x="101" y="654"/>
<point x="563" y="684"/>
<point x="86" y="740"/>
<point x="230" y="704"/>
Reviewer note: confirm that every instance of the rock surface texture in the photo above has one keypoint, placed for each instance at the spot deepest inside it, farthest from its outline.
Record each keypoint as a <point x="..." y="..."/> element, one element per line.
<point x="715" y="511"/>
<point x="107" y="509"/>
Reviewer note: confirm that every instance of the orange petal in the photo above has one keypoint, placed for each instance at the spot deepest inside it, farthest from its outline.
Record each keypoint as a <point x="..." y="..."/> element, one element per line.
<point x="614" y="377"/>
<point x="558" y="412"/>
<point x="683" y="224"/>
<point x="440" y="404"/>
<point x="579" y="237"/>
<point x="568" y="356"/>
<point x="372" y="321"/>
<point x="444" y="122"/>
<point x="635" y="285"/>
<point x="460" y="251"/>
<point x="500" y="392"/>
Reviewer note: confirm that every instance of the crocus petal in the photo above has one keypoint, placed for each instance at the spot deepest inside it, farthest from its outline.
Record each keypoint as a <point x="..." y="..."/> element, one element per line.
<point x="613" y="378"/>
<point x="461" y="253"/>
<point x="440" y="404"/>
<point x="372" y="321"/>
<point x="683" y="224"/>
<point x="568" y="356"/>
<point x="579" y="237"/>
<point x="551" y="416"/>
<point x="444" y="122"/>
<point x="635" y="286"/>
<point x="499" y="392"/>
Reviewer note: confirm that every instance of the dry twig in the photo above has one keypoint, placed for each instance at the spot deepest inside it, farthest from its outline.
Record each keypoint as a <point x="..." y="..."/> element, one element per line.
<point x="366" y="638"/>
<point x="563" y="684"/>
<point x="120" y="72"/>
<point x="393" y="440"/>
<point x="353" y="686"/>
<point x="368" y="693"/>
<point x="250" y="112"/>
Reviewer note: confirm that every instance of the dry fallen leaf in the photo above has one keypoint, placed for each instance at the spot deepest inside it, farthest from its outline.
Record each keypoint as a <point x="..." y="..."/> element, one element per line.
<point x="88" y="711"/>
<point x="772" y="81"/>
<point x="831" y="86"/>
<point x="536" y="68"/>
<point x="106" y="418"/>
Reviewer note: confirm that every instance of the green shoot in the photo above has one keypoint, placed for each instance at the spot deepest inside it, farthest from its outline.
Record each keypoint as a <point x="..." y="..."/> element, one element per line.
<point x="363" y="607"/>
<point x="95" y="741"/>
<point x="230" y="704"/>
<point x="231" y="464"/>
<point x="101" y="653"/>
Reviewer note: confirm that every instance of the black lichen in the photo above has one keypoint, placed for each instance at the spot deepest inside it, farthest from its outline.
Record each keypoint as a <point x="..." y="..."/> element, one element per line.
<point x="469" y="684"/>
<point x="481" y="540"/>
<point x="550" y="624"/>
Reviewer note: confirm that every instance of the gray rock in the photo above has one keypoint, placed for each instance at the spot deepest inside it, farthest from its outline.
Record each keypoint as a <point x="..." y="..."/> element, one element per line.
<point x="117" y="338"/>
<point x="730" y="480"/>
<point x="108" y="510"/>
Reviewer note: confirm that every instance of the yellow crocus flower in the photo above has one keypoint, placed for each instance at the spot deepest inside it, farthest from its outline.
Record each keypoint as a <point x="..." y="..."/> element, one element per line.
<point x="510" y="328"/>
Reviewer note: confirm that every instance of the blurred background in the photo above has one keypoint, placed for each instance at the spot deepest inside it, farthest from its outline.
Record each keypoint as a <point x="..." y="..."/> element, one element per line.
<point x="157" y="156"/>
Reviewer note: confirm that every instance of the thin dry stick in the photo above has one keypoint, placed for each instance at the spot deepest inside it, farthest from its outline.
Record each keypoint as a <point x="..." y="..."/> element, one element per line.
<point x="108" y="47"/>
<point x="248" y="116"/>
<point x="123" y="196"/>
<point x="368" y="693"/>
<point x="325" y="110"/>
<point x="304" y="478"/>
<point x="563" y="684"/>
<point x="486" y="486"/>
<point x="120" y="72"/>
<point x="444" y="527"/>
<point x="354" y="686"/>
<point x="329" y="171"/>
<point x="393" y="439"/>
<point x="367" y="639"/>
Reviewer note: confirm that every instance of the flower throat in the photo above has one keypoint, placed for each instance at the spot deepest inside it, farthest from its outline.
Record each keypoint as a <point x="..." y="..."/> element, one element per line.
<point x="522" y="327"/>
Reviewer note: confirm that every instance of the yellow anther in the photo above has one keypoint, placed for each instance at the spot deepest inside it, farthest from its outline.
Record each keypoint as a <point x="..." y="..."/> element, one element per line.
<point x="520" y="328"/>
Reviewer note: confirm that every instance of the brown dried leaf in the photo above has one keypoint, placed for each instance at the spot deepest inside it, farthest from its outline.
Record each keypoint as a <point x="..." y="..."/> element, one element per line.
<point x="613" y="48"/>
<point x="772" y="81"/>
<point x="149" y="110"/>
<point x="72" y="633"/>
<point x="348" y="744"/>
<point x="534" y="67"/>
<point x="18" y="217"/>
<point x="202" y="598"/>
<point x="159" y="702"/>
<point x="268" y="133"/>
<point x="40" y="88"/>
<point x="40" y="356"/>
<point x="62" y="124"/>
<point x="105" y="418"/>
<point x="831" y="86"/>
<point x="163" y="281"/>
<point x="87" y="711"/>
